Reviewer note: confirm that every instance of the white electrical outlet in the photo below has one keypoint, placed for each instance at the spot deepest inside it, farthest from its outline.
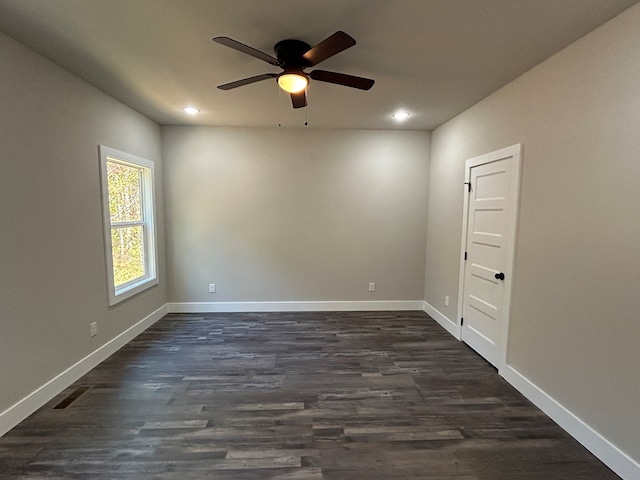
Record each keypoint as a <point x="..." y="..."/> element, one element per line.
<point x="446" y="301"/>
<point x="212" y="288"/>
<point x="94" y="329"/>
<point x="372" y="287"/>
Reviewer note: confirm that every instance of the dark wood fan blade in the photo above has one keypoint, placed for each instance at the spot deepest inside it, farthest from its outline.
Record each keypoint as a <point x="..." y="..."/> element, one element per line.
<point x="342" y="79"/>
<point x="299" y="99"/>
<point x="241" y="47"/>
<point x="336" y="43"/>
<point x="247" y="81"/>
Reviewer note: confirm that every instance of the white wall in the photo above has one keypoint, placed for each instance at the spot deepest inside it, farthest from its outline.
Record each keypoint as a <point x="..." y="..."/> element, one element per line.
<point x="295" y="214"/>
<point x="52" y="266"/>
<point x="575" y="325"/>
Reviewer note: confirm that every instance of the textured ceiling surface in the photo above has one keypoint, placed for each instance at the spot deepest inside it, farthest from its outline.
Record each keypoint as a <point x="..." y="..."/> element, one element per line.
<point x="432" y="58"/>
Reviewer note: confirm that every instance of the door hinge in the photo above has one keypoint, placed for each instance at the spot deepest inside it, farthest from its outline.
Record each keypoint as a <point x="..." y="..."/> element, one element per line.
<point x="468" y="184"/>
<point x="461" y="321"/>
<point x="465" y="256"/>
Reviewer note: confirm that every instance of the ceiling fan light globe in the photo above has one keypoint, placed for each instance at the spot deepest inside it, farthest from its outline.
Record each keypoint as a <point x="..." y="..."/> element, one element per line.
<point x="292" y="82"/>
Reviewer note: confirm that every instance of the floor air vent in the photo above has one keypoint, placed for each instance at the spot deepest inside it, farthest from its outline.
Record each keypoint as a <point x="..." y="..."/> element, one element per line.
<point x="73" y="396"/>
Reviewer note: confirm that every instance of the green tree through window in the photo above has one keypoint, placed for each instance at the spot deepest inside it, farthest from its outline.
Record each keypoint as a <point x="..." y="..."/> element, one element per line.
<point x="127" y="223"/>
<point x="127" y="184"/>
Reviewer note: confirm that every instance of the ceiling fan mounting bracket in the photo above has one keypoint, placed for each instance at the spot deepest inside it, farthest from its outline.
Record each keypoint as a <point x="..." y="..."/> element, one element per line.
<point x="290" y="53"/>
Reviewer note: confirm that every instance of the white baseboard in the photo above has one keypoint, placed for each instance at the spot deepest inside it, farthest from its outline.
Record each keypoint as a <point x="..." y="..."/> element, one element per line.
<point x="338" y="306"/>
<point x="36" y="399"/>
<point x="614" y="458"/>
<point x="450" y="326"/>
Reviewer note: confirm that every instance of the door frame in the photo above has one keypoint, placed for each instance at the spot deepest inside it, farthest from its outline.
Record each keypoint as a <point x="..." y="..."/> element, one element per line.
<point x="514" y="154"/>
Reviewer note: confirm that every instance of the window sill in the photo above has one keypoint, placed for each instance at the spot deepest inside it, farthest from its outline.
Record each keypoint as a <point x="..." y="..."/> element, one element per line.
<point x="129" y="290"/>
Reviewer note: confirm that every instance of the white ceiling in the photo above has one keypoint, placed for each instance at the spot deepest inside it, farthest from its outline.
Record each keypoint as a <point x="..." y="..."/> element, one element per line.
<point x="433" y="58"/>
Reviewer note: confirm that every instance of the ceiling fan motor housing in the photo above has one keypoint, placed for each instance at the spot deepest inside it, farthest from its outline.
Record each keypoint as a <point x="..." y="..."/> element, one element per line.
<point x="290" y="53"/>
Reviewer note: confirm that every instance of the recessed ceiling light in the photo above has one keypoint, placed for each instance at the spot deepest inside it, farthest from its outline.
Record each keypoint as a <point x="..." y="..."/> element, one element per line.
<point x="191" y="110"/>
<point x="400" y="116"/>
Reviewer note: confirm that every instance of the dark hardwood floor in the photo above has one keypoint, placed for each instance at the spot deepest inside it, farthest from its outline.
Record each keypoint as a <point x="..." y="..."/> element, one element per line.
<point x="293" y="396"/>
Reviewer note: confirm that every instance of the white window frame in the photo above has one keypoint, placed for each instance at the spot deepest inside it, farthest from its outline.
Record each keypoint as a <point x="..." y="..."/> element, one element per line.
<point x="129" y="289"/>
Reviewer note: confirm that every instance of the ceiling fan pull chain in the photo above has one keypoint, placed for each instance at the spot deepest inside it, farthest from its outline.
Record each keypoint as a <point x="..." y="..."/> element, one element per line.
<point x="279" y="107"/>
<point x="306" y="110"/>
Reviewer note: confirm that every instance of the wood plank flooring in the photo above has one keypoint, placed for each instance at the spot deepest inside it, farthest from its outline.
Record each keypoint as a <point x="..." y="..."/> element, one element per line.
<point x="291" y="396"/>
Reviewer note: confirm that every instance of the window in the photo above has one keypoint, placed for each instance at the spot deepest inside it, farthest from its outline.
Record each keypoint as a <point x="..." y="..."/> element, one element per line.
<point x="129" y="227"/>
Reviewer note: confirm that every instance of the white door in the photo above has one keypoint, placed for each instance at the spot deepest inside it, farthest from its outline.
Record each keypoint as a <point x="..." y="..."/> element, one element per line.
<point x="490" y="220"/>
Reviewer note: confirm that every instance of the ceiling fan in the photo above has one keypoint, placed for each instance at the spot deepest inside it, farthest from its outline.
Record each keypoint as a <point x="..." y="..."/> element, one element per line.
<point x="293" y="56"/>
